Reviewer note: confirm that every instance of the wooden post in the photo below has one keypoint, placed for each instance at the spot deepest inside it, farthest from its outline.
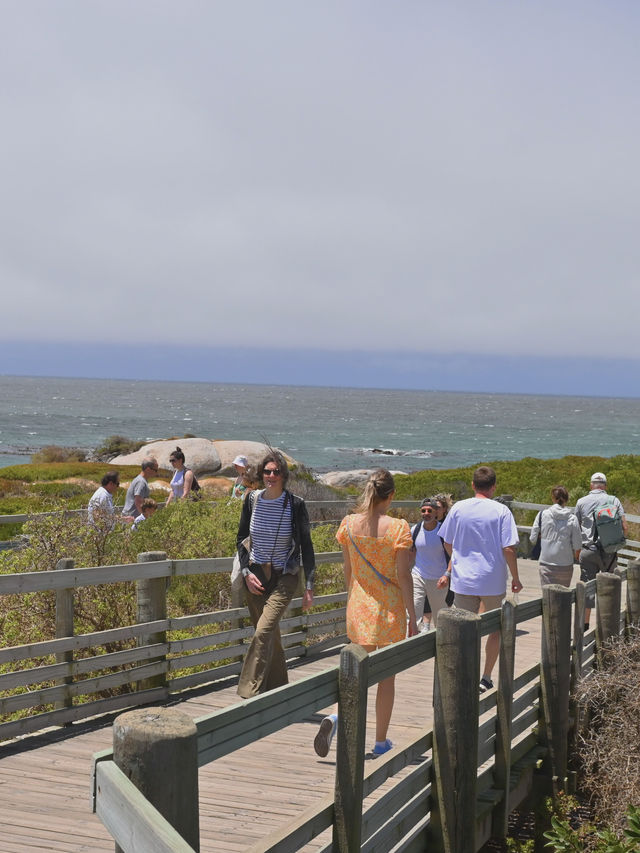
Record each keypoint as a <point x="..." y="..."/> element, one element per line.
<point x="608" y="604"/>
<point x="157" y="748"/>
<point x="352" y="727"/>
<point x="577" y="652"/>
<point x="633" y="594"/>
<point x="555" y="675"/>
<point x="455" y="730"/>
<point x="64" y="628"/>
<point x="502" y="773"/>
<point x="152" y="605"/>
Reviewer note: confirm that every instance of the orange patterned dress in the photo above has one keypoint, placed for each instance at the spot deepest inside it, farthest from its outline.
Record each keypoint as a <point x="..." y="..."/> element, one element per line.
<point x="375" y="612"/>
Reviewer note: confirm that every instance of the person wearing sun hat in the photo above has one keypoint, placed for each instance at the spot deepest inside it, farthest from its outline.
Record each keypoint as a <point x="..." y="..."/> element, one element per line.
<point x="592" y="558"/>
<point x="240" y="463"/>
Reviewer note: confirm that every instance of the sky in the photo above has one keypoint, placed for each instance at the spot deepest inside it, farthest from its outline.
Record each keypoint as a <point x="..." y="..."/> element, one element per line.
<point x="413" y="194"/>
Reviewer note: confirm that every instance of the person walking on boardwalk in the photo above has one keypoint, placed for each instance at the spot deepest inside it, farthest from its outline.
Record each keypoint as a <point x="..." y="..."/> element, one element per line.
<point x="593" y="558"/>
<point x="431" y="561"/>
<point x="101" y="512"/>
<point x="482" y="538"/>
<point x="184" y="483"/>
<point x="378" y="553"/>
<point x="139" y="487"/>
<point x="560" y="539"/>
<point x="273" y="536"/>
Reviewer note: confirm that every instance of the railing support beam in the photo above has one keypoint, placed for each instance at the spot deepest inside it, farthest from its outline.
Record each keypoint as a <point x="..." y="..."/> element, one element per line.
<point x="352" y="729"/>
<point x="151" y="607"/>
<point x="157" y="748"/>
<point x="555" y="674"/>
<point x="455" y="731"/>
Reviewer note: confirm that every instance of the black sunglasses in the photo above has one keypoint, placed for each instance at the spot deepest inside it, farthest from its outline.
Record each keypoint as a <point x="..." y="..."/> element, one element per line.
<point x="275" y="472"/>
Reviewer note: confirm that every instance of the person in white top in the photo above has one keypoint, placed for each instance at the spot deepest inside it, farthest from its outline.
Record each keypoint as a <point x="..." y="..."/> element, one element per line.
<point x="430" y="564"/>
<point x="482" y="538"/>
<point x="182" y="479"/>
<point x="101" y="510"/>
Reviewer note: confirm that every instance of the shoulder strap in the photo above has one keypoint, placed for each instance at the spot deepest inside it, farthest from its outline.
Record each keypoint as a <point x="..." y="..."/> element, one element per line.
<point x="416" y="530"/>
<point x="385" y="580"/>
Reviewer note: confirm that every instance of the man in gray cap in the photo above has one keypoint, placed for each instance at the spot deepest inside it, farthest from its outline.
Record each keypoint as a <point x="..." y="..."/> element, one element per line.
<point x="592" y="558"/>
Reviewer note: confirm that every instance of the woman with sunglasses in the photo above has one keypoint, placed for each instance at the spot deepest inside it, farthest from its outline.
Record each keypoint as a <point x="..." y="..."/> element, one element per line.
<point x="182" y="479"/>
<point x="273" y="538"/>
<point x="378" y="553"/>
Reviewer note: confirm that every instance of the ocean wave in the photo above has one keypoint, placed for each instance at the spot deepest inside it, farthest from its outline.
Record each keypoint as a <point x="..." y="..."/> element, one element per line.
<point x="390" y="451"/>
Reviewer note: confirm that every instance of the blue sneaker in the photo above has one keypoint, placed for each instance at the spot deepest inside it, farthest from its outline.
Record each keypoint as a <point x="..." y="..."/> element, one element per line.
<point x="327" y="730"/>
<point x="381" y="748"/>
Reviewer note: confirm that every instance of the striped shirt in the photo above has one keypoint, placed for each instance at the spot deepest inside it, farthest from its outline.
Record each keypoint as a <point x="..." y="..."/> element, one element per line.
<point x="271" y="531"/>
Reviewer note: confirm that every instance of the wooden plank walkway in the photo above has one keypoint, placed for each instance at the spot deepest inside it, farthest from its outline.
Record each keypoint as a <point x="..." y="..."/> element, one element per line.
<point x="45" y="779"/>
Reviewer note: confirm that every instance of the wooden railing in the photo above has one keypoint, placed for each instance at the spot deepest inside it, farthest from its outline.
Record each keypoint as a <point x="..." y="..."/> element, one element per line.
<point x="458" y="782"/>
<point x="89" y="678"/>
<point x="148" y="669"/>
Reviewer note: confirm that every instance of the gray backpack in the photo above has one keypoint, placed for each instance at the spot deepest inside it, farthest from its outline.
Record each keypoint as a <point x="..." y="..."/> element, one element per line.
<point x="608" y="532"/>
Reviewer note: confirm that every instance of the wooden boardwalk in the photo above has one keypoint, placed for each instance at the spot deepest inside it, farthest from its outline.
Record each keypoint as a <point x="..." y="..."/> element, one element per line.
<point x="45" y="778"/>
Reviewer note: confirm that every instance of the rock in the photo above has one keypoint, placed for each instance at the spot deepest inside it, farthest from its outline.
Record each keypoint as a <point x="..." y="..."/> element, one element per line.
<point x="217" y="487"/>
<point x="253" y="450"/>
<point x="200" y="455"/>
<point x="204" y="456"/>
<point x="341" y="479"/>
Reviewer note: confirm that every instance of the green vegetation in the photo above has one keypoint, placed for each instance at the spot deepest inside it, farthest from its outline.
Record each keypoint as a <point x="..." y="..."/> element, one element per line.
<point x="54" y="453"/>
<point x="117" y="445"/>
<point x="531" y="479"/>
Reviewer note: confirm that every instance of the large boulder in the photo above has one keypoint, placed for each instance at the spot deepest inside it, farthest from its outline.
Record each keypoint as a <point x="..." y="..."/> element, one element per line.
<point x="228" y="450"/>
<point x="200" y="455"/>
<point x="341" y="479"/>
<point x="204" y="456"/>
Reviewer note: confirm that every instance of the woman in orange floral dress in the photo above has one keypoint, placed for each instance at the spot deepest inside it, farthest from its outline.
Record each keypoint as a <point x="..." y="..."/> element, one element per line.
<point x="378" y="555"/>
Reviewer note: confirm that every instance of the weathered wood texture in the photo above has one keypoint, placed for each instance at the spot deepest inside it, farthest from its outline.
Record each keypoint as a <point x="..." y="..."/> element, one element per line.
<point x="44" y="778"/>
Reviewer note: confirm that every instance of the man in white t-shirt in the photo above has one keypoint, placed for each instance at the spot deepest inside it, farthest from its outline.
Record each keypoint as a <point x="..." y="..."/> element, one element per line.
<point x="482" y="538"/>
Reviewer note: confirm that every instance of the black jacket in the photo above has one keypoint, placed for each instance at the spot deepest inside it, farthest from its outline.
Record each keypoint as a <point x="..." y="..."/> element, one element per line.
<point x="301" y="545"/>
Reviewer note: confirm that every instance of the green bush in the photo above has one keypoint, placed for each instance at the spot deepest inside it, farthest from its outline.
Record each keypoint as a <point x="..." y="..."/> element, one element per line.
<point x="54" y="453"/>
<point x="117" y="445"/>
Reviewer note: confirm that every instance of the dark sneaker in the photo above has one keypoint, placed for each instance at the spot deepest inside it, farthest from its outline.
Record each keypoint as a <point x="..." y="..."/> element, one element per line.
<point x="322" y="740"/>
<point x="485" y="684"/>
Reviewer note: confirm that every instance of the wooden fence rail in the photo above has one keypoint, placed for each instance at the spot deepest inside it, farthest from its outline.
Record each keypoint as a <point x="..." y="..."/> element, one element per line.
<point x="72" y="677"/>
<point x="443" y="797"/>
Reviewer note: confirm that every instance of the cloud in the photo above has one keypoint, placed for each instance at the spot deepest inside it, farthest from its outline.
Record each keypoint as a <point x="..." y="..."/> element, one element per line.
<point x="333" y="176"/>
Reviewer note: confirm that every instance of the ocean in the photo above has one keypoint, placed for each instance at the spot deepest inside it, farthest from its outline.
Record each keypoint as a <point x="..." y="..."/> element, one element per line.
<point x="324" y="428"/>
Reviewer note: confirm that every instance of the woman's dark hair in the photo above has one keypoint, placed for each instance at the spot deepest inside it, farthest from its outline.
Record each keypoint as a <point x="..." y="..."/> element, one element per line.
<point x="560" y="495"/>
<point x="378" y="488"/>
<point x="177" y="454"/>
<point x="276" y="457"/>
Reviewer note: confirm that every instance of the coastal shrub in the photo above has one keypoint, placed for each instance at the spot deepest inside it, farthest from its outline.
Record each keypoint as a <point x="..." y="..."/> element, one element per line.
<point x="55" y="453"/>
<point x="530" y="479"/>
<point x="610" y="745"/>
<point x="116" y="445"/>
<point x="48" y="471"/>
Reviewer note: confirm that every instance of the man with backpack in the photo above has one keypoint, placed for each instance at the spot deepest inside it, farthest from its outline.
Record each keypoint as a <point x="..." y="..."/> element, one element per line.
<point x="604" y="528"/>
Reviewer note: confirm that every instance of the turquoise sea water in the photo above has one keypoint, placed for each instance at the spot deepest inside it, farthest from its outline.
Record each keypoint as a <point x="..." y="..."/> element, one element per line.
<point x="325" y="428"/>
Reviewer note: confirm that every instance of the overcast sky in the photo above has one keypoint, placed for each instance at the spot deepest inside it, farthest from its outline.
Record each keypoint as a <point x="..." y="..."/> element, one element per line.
<point x="402" y="177"/>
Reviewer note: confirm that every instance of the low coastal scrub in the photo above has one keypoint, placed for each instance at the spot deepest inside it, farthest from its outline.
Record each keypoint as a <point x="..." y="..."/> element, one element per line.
<point x="530" y="479"/>
<point x="54" y="453"/>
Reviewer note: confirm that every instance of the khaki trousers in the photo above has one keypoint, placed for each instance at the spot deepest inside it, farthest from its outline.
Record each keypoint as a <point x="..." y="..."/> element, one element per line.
<point x="265" y="666"/>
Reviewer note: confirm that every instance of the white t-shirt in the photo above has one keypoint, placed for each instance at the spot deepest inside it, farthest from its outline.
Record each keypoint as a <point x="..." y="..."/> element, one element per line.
<point x="100" y="503"/>
<point x="478" y="529"/>
<point x="431" y="560"/>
